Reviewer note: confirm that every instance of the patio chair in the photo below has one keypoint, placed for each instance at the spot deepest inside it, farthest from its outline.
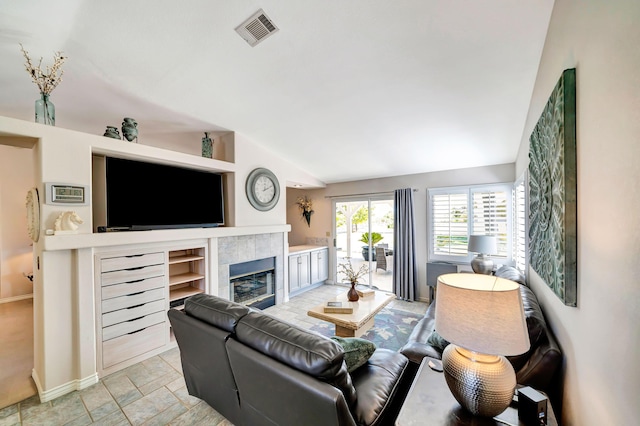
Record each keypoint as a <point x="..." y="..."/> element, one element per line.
<point x="381" y="259"/>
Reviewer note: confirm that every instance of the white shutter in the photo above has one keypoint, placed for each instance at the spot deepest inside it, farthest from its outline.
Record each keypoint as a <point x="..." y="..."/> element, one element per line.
<point x="520" y="228"/>
<point x="449" y="224"/>
<point x="491" y="217"/>
<point x="457" y="212"/>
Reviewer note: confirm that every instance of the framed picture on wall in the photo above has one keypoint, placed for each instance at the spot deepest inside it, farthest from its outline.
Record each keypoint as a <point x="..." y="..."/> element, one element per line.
<point x="553" y="191"/>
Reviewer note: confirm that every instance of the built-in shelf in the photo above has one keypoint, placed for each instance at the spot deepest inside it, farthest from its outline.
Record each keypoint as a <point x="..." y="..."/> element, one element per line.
<point x="184" y="292"/>
<point x="181" y="259"/>
<point x="186" y="274"/>
<point x="184" y="278"/>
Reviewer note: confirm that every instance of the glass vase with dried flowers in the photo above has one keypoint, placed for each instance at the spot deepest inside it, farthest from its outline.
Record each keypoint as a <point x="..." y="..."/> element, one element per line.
<point x="305" y="204"/>
<point x="46" y="82"/>
<point x="353" y="276"/>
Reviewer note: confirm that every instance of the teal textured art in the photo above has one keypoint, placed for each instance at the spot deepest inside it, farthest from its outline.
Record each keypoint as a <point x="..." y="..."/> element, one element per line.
<point x="553" y="191"/>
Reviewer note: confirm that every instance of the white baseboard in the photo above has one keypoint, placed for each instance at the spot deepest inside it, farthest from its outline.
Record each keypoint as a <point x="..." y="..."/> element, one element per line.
<point x="64" y="389"/>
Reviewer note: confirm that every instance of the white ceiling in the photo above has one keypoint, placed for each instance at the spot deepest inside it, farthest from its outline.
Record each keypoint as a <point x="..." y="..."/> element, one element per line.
<point x="346" y="89"/>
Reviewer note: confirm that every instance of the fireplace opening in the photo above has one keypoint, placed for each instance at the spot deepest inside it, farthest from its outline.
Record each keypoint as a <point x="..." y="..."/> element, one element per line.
<point x="253" y="283"/>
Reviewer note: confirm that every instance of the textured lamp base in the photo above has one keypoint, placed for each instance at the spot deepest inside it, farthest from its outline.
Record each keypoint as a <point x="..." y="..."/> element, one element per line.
<point x="482" y="265"/>
<point x="482" y="384"/>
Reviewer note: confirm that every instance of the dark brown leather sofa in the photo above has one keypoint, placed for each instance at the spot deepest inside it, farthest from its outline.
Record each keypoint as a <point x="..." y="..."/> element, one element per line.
<point x="258" y="370"/>
<point x="537" y="367"/>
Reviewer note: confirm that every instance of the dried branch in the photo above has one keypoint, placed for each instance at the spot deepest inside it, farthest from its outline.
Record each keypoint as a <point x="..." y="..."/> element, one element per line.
<point x="46" y="81"/>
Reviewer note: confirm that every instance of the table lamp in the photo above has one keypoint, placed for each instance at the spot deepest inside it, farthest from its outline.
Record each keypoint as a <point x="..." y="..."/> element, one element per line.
<point x="483" y="318"/>
<point x="483" y="245"/>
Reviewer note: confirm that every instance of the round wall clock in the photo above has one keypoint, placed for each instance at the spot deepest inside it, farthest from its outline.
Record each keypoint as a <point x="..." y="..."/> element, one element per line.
<point x="33" y="214"/>
<point x="263" y="190"/>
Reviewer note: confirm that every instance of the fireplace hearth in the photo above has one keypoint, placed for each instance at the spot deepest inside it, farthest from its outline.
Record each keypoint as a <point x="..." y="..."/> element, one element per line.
<point x="253" y="283"/>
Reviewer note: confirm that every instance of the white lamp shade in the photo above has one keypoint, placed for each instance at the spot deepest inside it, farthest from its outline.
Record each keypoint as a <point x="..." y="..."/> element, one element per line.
<point x="486" y="244"/>
<point x="481" y="313"/>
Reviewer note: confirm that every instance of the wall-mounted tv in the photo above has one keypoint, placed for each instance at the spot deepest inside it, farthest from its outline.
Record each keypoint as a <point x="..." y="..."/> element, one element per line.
<point x="143" y="196"/>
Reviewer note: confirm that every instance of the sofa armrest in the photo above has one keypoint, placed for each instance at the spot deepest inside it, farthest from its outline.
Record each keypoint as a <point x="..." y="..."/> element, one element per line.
<point x="417" y="347"/>
<point x="540" y="369"/>
<point x="381" y="384"/>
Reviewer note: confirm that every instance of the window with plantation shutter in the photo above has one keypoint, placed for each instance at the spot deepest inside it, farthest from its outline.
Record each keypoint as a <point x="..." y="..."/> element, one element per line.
<point x="457" y="212"/>
<point x="520" y="219"/>
<point x="449" y="224"/>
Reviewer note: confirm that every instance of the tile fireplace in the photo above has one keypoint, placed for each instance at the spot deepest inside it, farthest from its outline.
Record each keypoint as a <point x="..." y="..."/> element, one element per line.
<point x="238" y="250"/>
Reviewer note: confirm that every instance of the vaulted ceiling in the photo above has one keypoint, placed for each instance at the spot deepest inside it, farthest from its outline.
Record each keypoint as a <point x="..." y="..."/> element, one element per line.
<point x="347" y="90"/>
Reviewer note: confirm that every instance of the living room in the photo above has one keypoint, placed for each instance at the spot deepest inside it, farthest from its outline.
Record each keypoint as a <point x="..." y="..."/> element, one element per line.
<point x="597" y="38"/>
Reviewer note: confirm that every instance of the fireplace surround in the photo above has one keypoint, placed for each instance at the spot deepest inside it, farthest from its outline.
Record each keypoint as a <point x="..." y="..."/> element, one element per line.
<point x="246" y="248"/>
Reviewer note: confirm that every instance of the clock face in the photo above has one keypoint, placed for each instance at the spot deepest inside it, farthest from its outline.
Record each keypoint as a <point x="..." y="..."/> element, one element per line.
<point x="263" y="190"/>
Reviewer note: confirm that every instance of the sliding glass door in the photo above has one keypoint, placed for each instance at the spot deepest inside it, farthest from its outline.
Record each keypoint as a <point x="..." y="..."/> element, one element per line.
<point x="364" y="235"/>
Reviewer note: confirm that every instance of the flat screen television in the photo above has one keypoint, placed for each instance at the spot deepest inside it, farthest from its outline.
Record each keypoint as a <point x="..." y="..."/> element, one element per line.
<point x="144" y="196"/>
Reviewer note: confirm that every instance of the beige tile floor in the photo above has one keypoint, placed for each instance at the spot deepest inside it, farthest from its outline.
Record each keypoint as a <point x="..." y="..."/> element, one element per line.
<point x="153" y="392"/>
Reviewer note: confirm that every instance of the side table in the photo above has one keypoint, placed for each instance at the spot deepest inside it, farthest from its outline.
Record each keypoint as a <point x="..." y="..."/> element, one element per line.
<point x="430" y="403"/>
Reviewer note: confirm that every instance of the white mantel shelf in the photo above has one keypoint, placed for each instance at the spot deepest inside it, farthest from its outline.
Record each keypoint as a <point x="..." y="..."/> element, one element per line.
<point x="106" y="239"/>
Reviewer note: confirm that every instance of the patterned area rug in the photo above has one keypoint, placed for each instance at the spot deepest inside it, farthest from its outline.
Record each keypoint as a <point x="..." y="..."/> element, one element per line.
<point x="391" y="328"/>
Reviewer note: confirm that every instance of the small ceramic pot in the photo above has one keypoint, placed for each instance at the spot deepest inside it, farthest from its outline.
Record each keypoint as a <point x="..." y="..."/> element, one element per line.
<point x="130" y="129"/>
<point x="112" y="132"/>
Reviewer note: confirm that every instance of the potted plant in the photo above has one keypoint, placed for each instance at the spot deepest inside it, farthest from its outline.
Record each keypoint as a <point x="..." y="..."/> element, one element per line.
<point x="375" y="238"/>
<point x="353" y="276"/>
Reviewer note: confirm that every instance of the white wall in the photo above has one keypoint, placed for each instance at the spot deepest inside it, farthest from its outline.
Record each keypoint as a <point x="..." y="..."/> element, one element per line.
<point x="321" y="219"/>
<point x="249" y="156"/>
<point x="319" y="227"/>
<point x="601" y="336"/>
<point x="16" y="178"/>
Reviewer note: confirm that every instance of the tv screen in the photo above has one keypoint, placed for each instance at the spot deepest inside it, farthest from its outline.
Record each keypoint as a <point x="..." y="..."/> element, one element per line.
<point x="144" y="196"/>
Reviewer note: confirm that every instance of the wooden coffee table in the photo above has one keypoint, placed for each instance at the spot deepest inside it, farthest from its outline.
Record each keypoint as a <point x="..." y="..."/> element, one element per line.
<point x="361" y="320"/>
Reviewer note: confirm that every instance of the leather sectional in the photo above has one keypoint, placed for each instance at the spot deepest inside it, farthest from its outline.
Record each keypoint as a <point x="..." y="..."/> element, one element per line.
<point x="538" y="367"/>
<point x="255" y="369"/>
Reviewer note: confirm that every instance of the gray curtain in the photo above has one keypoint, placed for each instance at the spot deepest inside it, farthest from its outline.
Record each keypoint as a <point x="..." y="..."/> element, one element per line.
<point x="405" y="271"/>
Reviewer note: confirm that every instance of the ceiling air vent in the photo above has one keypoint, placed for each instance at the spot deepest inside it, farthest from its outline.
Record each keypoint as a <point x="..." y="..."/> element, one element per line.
<point x="257" y="28"/>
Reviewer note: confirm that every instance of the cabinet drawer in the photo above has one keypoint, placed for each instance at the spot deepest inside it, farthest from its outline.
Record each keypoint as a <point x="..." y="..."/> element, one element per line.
<point x="133" y="326"/>
<point x="130" y="345"/>
<point x="132" y="299"/>
<point x="136" y="311"/>
<point x="133" y="261"/>
<point x="135" y="286"/>
<point x="132" y="274"/>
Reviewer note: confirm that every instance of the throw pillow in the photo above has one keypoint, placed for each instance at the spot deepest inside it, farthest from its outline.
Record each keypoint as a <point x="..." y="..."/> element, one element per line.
<point x="356" y="351"/>
<point x="437" y="341"/>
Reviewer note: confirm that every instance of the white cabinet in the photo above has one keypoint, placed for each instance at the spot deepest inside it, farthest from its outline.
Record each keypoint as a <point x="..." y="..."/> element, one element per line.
<point x="308" y="265"/>
<point x="134" y="290"/>
<point x="319" y="265"/>
<point x="131" y="306"/>
<point x="299" y="274"/>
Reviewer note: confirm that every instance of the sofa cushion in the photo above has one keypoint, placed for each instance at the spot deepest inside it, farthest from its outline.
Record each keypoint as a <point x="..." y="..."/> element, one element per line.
<point x="304" y="350"/>
<point x="356" y="351"/>
<point x="216" y="311"/>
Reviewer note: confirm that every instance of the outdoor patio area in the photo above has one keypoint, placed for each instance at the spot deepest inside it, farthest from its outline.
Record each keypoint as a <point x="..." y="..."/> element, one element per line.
<point x="378" y="278"/>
